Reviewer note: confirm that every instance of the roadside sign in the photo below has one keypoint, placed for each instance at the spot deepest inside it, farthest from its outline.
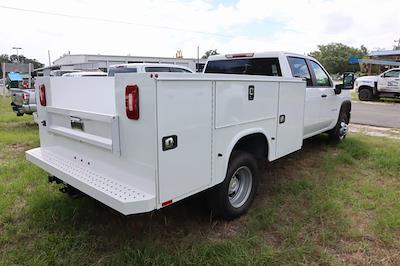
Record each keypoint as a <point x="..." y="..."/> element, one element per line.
<point x="353" y="60"/>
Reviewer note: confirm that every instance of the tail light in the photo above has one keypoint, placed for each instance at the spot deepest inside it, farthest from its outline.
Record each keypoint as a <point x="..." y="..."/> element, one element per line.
<point x="132" y="101"/>
<point x="42" y="95"/>
<point x="25" y="97"/>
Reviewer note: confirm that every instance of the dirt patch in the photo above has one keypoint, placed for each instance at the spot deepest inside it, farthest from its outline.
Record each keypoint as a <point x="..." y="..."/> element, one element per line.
<point x="393" y="133"/>
<point x="17" y="147"/>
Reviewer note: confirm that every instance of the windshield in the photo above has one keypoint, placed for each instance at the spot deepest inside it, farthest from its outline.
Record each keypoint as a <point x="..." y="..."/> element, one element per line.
<point x="114" y="70"/>
<point x="251" y="66"/>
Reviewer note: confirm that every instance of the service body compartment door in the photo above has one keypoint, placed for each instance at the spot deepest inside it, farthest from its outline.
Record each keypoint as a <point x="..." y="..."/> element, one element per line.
<point x="290" y="117"/>
<point x="184" y="111"/>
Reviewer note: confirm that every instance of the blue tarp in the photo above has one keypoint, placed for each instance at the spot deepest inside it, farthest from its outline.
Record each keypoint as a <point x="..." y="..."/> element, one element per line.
<point x="13" y="76"/>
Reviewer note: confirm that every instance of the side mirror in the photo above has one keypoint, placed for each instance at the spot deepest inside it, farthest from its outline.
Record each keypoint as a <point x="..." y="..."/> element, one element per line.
<point x="348" y="81"/>
<point x="338" y="88"/>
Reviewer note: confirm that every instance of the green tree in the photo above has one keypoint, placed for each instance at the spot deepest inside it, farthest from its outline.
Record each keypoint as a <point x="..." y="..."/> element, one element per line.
<point x="3" y="59"/>
<point x="335" y="57"/>
<point x="22" y="59"/>
<point x="209" y="53"/>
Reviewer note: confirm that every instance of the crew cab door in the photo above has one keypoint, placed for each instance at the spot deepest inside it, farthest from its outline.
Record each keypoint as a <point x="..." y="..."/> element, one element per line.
<point x="329" y="107"/>
<point x="300" y="69"/>
<point x="389" y="81"/>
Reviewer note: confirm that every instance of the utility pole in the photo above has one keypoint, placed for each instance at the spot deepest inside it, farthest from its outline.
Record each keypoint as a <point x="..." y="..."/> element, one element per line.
<point x="48" y="53"/>
<point x="198" y="59"/>
<point x="16" y="49"/>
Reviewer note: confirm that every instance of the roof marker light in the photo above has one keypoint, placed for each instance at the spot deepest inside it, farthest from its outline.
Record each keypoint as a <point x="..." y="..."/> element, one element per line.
<point x="239" y="55"/>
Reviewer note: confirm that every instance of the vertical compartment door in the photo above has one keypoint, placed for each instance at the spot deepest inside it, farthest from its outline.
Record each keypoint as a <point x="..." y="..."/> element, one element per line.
<point x="290" y="121"/>
<point x="184" y="110"/>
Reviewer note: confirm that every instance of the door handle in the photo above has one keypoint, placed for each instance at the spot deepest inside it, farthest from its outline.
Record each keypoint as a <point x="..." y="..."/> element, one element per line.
<point x="324" y="95"/>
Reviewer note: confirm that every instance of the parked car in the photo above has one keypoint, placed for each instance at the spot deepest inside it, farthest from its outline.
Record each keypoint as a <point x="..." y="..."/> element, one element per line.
<point x="386" y="85"/>
<point x="21" y="93"/>
<point x="148" y="141"/>
<point x="147" y="67"/>
<point x="85" y="74"/>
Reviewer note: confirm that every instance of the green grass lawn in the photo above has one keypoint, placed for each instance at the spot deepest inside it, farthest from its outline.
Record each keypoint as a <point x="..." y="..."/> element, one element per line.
<point x="326" y="204"/>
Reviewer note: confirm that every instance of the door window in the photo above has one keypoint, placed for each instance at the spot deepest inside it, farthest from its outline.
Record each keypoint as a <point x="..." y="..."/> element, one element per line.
<point x="392" y="74"/>
<point x="322" y="79"/>
<point x="300" y="69"/>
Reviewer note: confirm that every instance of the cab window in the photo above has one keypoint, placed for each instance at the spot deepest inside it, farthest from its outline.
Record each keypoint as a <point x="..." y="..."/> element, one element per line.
<point x="181" y="70"/>
<point x="248" y="66"/>
<point x="392" y="74"/>
<point x="300" y="69"/>
<point x="122" y="69"/>
<point x="322" y="79"/>
<point x="157" y="69"/>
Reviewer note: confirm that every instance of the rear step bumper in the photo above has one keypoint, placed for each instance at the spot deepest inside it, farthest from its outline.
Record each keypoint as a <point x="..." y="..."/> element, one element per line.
<point x="113" y="193"/>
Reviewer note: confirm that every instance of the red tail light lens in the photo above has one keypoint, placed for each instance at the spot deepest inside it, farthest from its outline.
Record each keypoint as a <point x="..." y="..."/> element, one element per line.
<point x="42" y="95"/>
<point x="132" y="101"/>
<point x="25" y="97"/>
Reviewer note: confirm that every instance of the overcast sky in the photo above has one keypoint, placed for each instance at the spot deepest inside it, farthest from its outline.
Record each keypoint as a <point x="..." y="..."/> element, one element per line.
<point x="161" y="27"/>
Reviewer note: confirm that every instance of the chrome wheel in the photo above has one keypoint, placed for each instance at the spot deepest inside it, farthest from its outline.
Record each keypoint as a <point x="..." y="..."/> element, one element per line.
<point x="343" y="129"/>
<point x="240" y="186"/>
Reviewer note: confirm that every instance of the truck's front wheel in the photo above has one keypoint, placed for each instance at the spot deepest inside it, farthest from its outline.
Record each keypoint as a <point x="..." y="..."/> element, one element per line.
<point x="235" y="194"/>
<point x="365" y="94"/>
<point x="339" y="132"/>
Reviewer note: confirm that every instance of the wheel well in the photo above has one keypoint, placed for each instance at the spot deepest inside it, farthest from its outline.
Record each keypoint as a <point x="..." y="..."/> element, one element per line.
<point x="346" y="107"/>
<point x="366" y="87"/>
<point x="256" y="144"/>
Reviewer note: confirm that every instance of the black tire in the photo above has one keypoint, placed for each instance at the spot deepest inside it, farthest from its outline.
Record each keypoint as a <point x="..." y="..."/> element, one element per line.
<point x="338" y="133"/>
<point x="221" y="199"/>
<point x="365" y="94"/>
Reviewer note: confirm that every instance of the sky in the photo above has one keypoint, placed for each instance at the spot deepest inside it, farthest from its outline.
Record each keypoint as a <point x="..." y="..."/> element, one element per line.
<point x="161" y="27"/>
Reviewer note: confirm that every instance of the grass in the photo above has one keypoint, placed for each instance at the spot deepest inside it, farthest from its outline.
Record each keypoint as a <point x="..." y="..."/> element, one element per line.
<point x="326" y="204"/>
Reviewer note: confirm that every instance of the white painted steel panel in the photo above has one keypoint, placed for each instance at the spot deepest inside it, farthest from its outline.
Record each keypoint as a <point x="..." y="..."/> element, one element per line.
<point x="291" y="106"/>
<point x="185" y="110"/>
<point x="91" y="94"/>
<point x="233" y="106"/>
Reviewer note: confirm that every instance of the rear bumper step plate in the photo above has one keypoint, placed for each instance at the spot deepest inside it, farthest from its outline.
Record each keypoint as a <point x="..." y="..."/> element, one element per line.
<point x="113" y="193"/>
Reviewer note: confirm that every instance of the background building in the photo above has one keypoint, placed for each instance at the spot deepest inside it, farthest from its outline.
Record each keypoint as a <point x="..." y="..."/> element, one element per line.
<point x="380" y="61"/>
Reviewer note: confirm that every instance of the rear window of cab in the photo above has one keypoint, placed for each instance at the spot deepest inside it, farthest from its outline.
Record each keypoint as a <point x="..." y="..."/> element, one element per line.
<point x="114" y="70"/>
<point x="246" y="66"/>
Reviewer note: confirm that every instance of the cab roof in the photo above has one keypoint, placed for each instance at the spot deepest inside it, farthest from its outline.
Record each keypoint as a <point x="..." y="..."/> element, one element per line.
<point x="255" y="55"/>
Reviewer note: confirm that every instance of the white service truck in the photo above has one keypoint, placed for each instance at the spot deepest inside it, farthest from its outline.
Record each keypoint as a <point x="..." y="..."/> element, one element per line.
<point x="140" y="142"/>
<point x="385" y="85"/>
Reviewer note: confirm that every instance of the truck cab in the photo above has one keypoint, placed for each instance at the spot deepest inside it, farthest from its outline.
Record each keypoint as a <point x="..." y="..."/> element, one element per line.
<point x="386" y="84"/>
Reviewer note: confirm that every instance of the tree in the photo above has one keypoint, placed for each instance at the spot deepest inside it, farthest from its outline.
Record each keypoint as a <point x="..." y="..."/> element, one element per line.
<point x="3" y="59"/>
<point x="335" y="57"/>
<point x="209" y="53"/>
<point x="23" y="60"/>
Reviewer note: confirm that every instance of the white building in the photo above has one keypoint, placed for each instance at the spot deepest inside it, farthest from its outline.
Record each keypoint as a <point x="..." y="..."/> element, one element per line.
<point x="90" y="61"/>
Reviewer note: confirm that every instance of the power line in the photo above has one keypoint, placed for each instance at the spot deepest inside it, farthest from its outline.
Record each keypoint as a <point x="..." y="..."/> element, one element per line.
<point x="111" y="21"/>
